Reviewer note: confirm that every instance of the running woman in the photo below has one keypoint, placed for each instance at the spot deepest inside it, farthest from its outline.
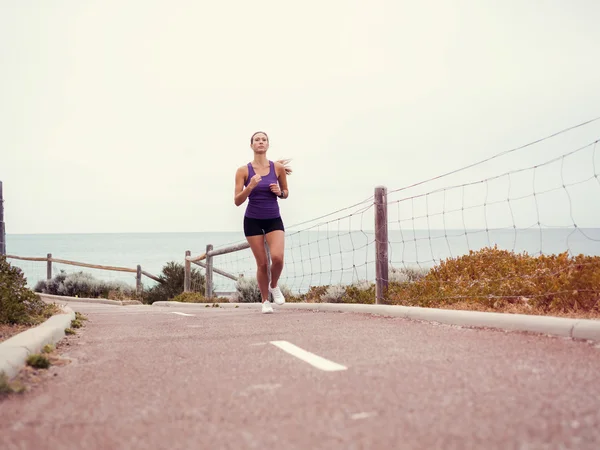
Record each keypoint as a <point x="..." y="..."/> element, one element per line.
<point x="263" y="183"/>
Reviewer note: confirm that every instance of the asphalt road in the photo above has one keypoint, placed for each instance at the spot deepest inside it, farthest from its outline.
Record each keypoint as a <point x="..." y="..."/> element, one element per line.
<point x="145" y="377"/>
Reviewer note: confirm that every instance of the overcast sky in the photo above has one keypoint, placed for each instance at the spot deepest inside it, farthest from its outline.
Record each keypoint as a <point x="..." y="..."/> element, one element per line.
<point x="133" y="116"/>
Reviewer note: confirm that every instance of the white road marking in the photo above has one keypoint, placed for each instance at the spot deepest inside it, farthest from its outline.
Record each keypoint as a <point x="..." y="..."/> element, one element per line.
<point x="362" y="415"/>
<point x="181" y="314"/>
<point x="310" y="358"/>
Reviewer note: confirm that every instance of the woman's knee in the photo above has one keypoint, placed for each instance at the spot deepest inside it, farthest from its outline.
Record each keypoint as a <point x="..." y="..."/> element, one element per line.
<point x="277" y="259"/>
<point x="262" y="265"/>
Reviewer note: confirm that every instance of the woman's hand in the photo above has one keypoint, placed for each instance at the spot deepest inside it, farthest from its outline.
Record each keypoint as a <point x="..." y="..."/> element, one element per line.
<point x="275" y="189"/>
<point x="254" y="181"/>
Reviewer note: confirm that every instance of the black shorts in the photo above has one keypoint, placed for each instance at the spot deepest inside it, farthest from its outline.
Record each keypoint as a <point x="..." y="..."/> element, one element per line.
<point x="256" y="227"/>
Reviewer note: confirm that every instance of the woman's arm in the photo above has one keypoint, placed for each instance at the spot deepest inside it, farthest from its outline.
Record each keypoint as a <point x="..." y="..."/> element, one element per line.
<point x="241" y="193"/>
<point x="281" y="172"/>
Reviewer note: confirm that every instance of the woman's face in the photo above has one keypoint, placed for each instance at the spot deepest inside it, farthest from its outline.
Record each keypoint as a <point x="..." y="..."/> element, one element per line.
<point x="260" y="143"/>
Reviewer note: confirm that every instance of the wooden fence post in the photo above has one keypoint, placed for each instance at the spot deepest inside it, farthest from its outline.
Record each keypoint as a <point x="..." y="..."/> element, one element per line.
<point x="187" y="274"/>
<point x="49" y="267"/>
<point x="138" y="280"/>
<point x="381" y="244"/>
<point x="209" y="272"/>
<point x="2" y="227"/>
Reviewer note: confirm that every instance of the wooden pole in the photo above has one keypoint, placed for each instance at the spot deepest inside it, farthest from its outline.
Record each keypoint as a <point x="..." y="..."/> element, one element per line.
<point x="49" y="267"/>
<point x="2" y="227"/>
<point x="138" y="280"/>
<point x="218" y="271"/>
<point x="381" y="244"/>
<point x="209" y="272"/>
<point x="187" y="273"/>
<point x="152" y="277"/>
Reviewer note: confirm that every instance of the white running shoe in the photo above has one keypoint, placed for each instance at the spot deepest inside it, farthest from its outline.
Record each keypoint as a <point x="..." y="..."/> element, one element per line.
<point x="277" y="295"/>
<point x="267" y="308"/>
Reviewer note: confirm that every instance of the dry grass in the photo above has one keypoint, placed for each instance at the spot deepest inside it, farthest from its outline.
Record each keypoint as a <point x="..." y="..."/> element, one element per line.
<point x="31" y="377"/>
<point x="490" y="280"/>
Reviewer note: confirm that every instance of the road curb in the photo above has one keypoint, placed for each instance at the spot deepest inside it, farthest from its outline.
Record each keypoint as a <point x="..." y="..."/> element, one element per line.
<point x="14" y="351"/>
<point x="556" y="326"/>
<point x="61" y="298"/>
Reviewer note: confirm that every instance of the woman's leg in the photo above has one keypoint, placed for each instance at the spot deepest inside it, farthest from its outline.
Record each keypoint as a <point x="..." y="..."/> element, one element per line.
<point x="257" y="245"/>
<point x="276" y="241"/>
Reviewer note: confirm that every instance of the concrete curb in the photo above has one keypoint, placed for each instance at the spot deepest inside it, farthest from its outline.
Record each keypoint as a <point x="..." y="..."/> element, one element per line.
<point x="14" y="351"/>
<point x="557" y="326"/>
<point x="61" y="298"/>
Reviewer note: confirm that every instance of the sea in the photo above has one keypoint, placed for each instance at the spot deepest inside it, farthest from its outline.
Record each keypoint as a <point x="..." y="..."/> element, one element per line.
<point x="312" y="258"/>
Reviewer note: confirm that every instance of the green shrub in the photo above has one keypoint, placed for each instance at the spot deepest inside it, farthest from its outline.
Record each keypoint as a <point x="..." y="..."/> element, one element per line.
<point x="192" y="297"/>
<point x="81" y="284"/>
<point x="357" y="292"/>
<point x="6" y="387"/>
<point x="38" y="361"/>
<point x="171" y="283"/>
<point x="48" y="348"/>
<point x="362" y="292"/>
<point x="18" y="304"/>
<point x="247" y="291"/>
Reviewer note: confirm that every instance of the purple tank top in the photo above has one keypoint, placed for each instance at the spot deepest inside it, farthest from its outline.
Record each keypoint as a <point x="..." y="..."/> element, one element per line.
<point x="262" y="203"/>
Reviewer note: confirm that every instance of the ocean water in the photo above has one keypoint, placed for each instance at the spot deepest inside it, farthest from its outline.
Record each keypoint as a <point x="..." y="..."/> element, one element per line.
<point x="311" y="257"/>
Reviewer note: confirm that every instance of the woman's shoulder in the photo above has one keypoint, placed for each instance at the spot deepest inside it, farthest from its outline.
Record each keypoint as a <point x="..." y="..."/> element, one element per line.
<point x="242" y="170"/>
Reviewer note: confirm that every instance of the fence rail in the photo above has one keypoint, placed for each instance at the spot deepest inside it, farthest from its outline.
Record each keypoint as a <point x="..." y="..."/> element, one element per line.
<point x="49" y="260"/>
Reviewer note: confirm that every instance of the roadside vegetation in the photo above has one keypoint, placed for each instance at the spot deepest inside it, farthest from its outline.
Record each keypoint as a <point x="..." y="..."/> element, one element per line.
<point x="19" y="306"/>
<point x="489" y="279"/>
<point x="85" y="285"/>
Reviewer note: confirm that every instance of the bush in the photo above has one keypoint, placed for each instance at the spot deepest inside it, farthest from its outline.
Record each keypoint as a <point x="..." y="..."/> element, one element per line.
<point x="18" y="304"/>
<point x="7" y="387"/>
<point x="362" y="292"/>
<point x="333" y="294"/>
<point x="495" y="278"/>
<point x="406" y="274"/>
<point x="247" y="291"/>
<point x="171" y="283"/>
<point x="357" y="292"/>
<point x="80" y="284"/>
<point x="197" y="297"/>
<point x="38" y="361"/>
<point x="191" y="297"/>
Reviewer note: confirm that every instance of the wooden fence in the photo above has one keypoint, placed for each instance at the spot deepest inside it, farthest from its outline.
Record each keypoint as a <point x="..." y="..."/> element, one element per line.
<point x="381" y="254"/>
<point x="49" y="260"/>
<point x="209" y="255"/>
<point x="381" y="248"/>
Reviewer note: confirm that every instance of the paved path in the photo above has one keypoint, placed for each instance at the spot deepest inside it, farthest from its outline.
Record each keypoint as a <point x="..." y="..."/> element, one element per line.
<point x="212" y="378"/>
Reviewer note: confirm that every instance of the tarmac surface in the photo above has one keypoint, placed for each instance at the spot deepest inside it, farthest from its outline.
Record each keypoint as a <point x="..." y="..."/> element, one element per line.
<point x="148" y="377"/>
